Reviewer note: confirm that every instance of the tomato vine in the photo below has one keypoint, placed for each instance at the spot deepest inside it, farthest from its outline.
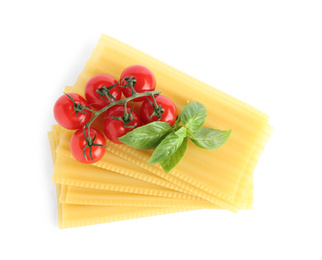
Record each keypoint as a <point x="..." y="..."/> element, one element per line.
<point x="127" y="116"/>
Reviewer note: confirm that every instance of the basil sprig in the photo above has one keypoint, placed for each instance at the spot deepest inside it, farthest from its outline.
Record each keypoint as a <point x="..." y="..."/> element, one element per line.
<point x="170" y="143"/>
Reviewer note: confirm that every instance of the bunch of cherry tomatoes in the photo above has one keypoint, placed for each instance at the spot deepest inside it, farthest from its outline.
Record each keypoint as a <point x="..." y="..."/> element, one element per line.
<point x="74" y="112"/>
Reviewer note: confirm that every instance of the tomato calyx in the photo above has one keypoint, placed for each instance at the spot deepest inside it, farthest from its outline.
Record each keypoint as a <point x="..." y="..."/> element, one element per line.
<point x="126" y="118"/>
<point x="77" y="106"/>
<point x="90" y="143"/>
<point x="158" y="110"/>
<point x="104" y="92"/>
<point x="130" y="83"/>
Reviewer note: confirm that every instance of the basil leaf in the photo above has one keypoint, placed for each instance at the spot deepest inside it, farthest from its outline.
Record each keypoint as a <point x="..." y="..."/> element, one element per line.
<point x="193" y="116"/>
<point x="209" y="138"/>
<point x="174" y="159"/>
<point x="148" y="136"/>
<point x="181" y="132"/>
<point x="168" y="146"/>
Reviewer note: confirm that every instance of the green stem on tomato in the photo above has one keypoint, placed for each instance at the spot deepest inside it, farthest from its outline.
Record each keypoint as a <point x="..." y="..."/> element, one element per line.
<point x="127" y="116"/>
<point x="158" y="110"/>
<point x="118" y="102"/>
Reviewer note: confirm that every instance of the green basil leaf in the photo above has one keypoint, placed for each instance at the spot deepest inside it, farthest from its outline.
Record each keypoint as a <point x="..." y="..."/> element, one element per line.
<point x="168" y="146"/>
<point x="209" y="138"/>
<point x="148" y="136"/>
<point x="181" y="132"/>
<point x="193" y="116"/>
<point x="174" y="159"/>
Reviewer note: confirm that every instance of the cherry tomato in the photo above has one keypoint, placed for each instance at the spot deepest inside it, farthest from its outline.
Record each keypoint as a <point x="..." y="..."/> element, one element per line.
<point x="98" y="82"/>
<point x="65" y="115"/>
<point x="78" y="143"/>
<point x="169" y="115"/>
<point x="145" y="80"/>
<point x="114" y="128"/>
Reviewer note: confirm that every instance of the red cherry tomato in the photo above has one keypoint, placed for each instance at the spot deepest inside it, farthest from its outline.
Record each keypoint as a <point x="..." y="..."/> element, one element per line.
<point x="145" y="80"/>
<point x="114" y="128"/>
<point x="65" y="115"/>
<point x="78" y="143"/>
<point x="97" y="82"/>
<point x="169" y="115"/>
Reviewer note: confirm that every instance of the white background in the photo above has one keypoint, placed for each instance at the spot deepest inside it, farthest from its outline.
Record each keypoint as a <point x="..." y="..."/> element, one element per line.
<point x="266" y="53"/>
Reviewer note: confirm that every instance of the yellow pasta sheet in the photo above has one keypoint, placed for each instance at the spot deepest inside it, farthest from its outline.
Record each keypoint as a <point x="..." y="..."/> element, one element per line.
<point x="80" y="195"/>
<point x="90" y="179"/>
<point x="71" y="215"/>
<point x="106" y="163"/>
<point x="244" y="176"/>
<point x="245" y="184"/>
<point x="220" y="172"/>
<point x="85" y="176"/>
<point x="222" y="176"/>
<point x="74" y="215"/>
<point x="82" y="215"/>
<point x="85" y="196"/>
<point x="69" y="169"/>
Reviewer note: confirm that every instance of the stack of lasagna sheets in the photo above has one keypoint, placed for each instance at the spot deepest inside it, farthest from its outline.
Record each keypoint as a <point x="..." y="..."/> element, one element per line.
<point x="122" y="186"/>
